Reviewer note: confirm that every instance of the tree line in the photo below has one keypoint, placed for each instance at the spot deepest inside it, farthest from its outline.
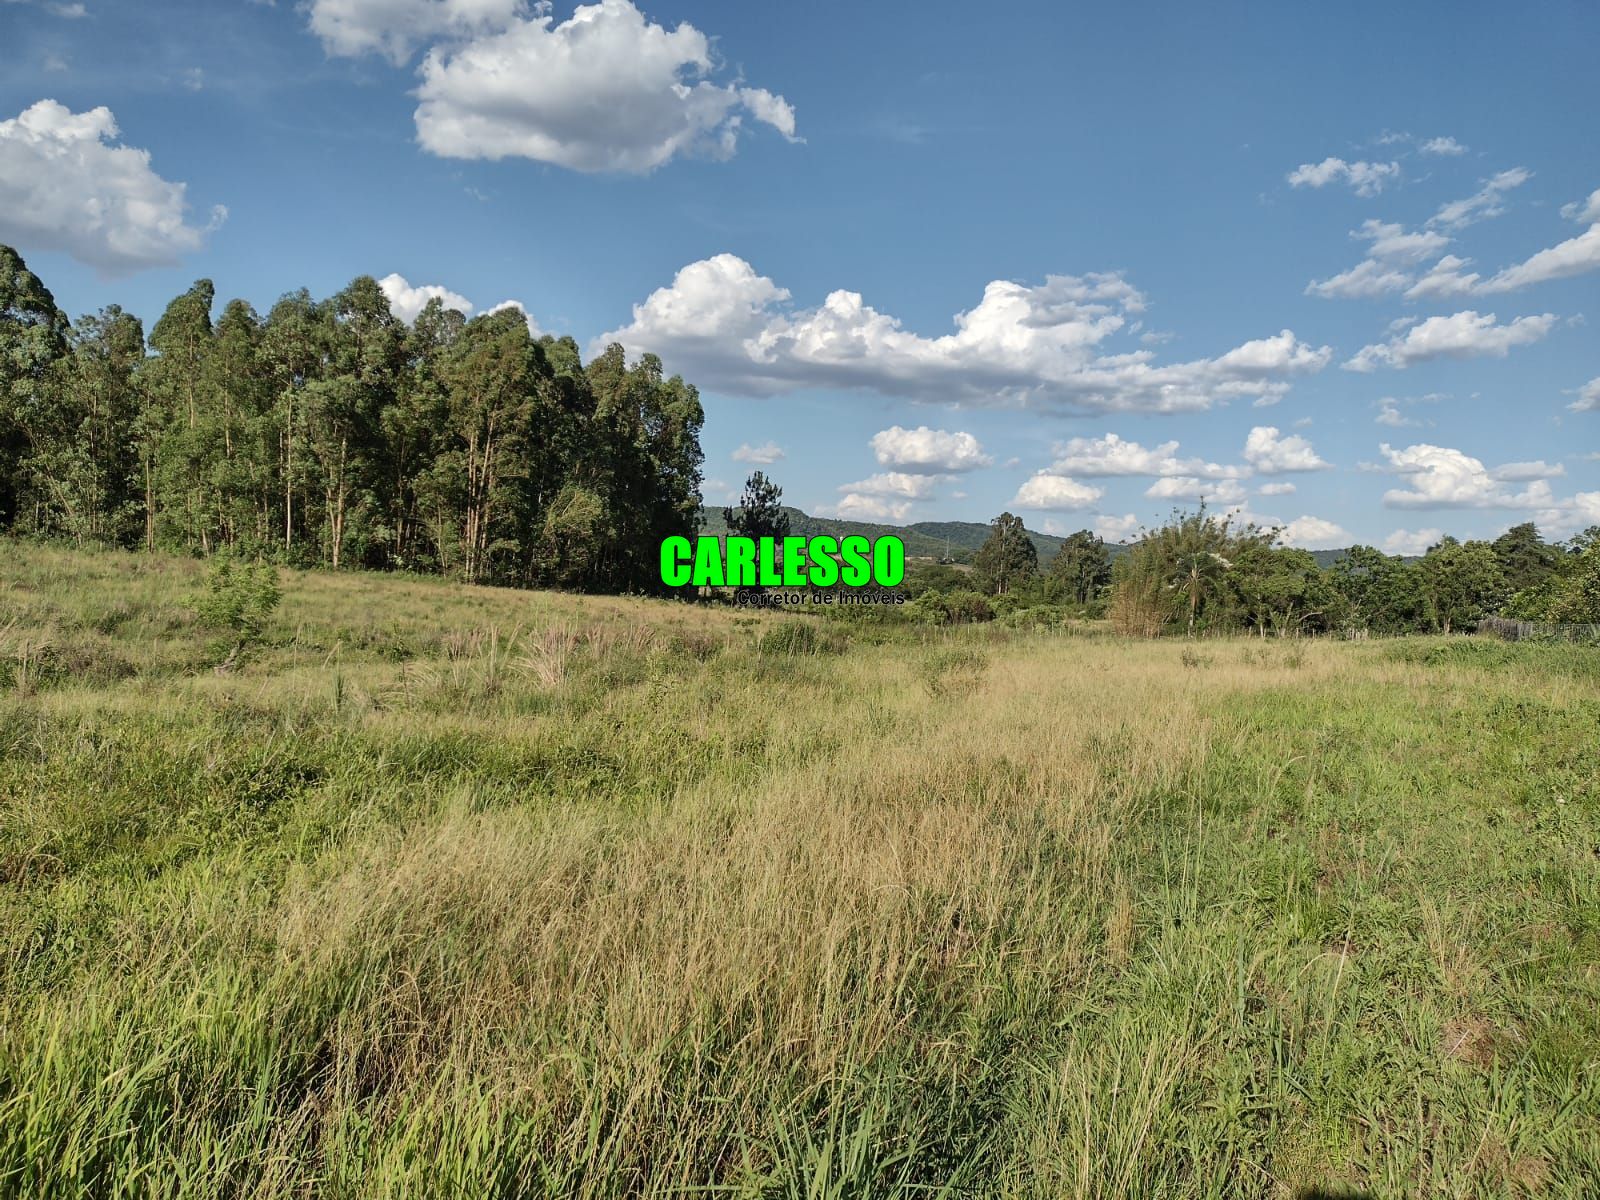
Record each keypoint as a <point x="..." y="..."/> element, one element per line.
<point x="1201" y="573"/>
<point x="331" y="433"/>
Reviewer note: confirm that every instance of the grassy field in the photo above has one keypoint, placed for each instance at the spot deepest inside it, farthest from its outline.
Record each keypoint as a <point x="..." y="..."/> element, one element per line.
<point x="448" y="891"/>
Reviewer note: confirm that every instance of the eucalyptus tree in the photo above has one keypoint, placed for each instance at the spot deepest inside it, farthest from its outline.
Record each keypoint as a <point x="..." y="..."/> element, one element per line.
<point x="33" y="335"/>
<point x="235" y="433"/>
<point x="491" y="375"/>
<point x="172" y="442"/>
<point x="294" y="350"/>
<point x="331" y="432"/>
<point x="1081" y="568"/>
<point x="413" y="431"/>
<point x="646" y="439"/>
<point x="1008" y="557"/>
<point x="82" y="466"/>
<point x="343" y="413"/>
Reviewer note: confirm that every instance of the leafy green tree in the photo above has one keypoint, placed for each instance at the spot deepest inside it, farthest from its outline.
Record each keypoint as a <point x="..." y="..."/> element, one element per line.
<point x="1196" y="550"/>
<point x="1462" y="582"/>
<point x="343" y="413"/>
<point x="1379" y="592"/>
<point x="32" y="338"/>
<point x="240" y="594"/>
<point x="1197" y="575"/>
<point x="924" y="577"/>
<point x="574" y="532"/>
<point x="175" y="450"/>
<point x="646" y="433"/>
<point x="1007" y="557"/>
<point x="294" y="345"/>
<point x="1578" y="598"/>
<point x="491" y="376"/>
<point x="413" y="433"/>
<point x="1081" y="569"/>
<point x="330" y="432"/>
<point x="234" y="433"/>
<point x="1526" y="560"/>
<point x="1282" y="590"/>
<point x="1570" y="593"/>
<point x="1185" y="571"/>
<point x="81" y="470"/>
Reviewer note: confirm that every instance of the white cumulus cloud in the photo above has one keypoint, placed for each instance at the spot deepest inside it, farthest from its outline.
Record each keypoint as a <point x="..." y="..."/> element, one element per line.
<point x="407" y="302"/>
<point x="1412" y="542"/>
<point x="1517" y="472"/>
<point x="605" y="90"/>
<point x="736" y="332"/>
<point x="1588" y="397"/>
<point x="859" y="507"/>
<point x="1445" y="279"/>
<point x="763" y="455"/>
<point x="1575" y="256"/>
<point x="67" y="185"/>
<point x="1366" y="279"/>
<point x="1443" y="477"/>
<point x="1394" y="258"/>
<point x="1389" y="414"/>
<point x="1314" y="533"/>
<point x="895" y="483"/>
<point x="1055" y="493"/>
<point x="533" y="325"/>
<point x="1366" y="178"/>
<point x="1392" y="253"/>
<point x="1272" y="453"/>
<point x="887" y="496"/>
<point x="1186" y="487"/>
<point x="395" y="28"/>
<point x="1444" y="146"/>
<point x="928" y="451"/>
<point x="1585" y="212"/>
<point x="1112" y="455"/>
<point x="1116" y="529"/>
<point x="1465" y="334"/>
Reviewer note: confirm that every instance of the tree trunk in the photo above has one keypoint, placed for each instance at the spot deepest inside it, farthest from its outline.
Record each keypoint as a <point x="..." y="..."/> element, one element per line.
<point x="288" y="473"/>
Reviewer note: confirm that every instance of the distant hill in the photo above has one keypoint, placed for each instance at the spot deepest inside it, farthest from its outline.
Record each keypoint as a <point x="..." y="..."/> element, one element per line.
<point x="959" y="540"/>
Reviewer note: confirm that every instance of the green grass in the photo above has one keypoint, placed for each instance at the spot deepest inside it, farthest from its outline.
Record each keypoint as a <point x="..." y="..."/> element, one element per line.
<point x="448" y="891"/>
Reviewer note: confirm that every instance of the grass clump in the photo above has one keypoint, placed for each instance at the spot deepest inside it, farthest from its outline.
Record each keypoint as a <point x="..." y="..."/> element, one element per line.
<point x="799" y="636"/>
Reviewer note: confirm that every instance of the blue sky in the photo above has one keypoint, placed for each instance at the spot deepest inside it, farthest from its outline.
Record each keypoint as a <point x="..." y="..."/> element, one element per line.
<point x="926" y="261"/>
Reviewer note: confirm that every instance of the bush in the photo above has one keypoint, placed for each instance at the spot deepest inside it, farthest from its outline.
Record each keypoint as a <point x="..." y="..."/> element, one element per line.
<point x="1040" y="616"/>
<point x="955" y="608"/>
<point x="239" y="596"/>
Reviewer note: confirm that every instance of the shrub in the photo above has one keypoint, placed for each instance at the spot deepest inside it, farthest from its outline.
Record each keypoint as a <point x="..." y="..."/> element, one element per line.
<point x="1040" y="616"/>
<point x="239" y="596"/>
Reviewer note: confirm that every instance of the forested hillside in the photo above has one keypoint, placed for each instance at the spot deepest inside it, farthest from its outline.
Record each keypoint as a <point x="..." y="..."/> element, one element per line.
<point x="328" y="432"/>
<point x="959" y="540"/>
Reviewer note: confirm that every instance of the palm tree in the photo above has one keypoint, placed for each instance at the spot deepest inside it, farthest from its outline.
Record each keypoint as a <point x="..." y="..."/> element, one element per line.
<point x="1197" y="572"/>
<point x="1194" y="565"/>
